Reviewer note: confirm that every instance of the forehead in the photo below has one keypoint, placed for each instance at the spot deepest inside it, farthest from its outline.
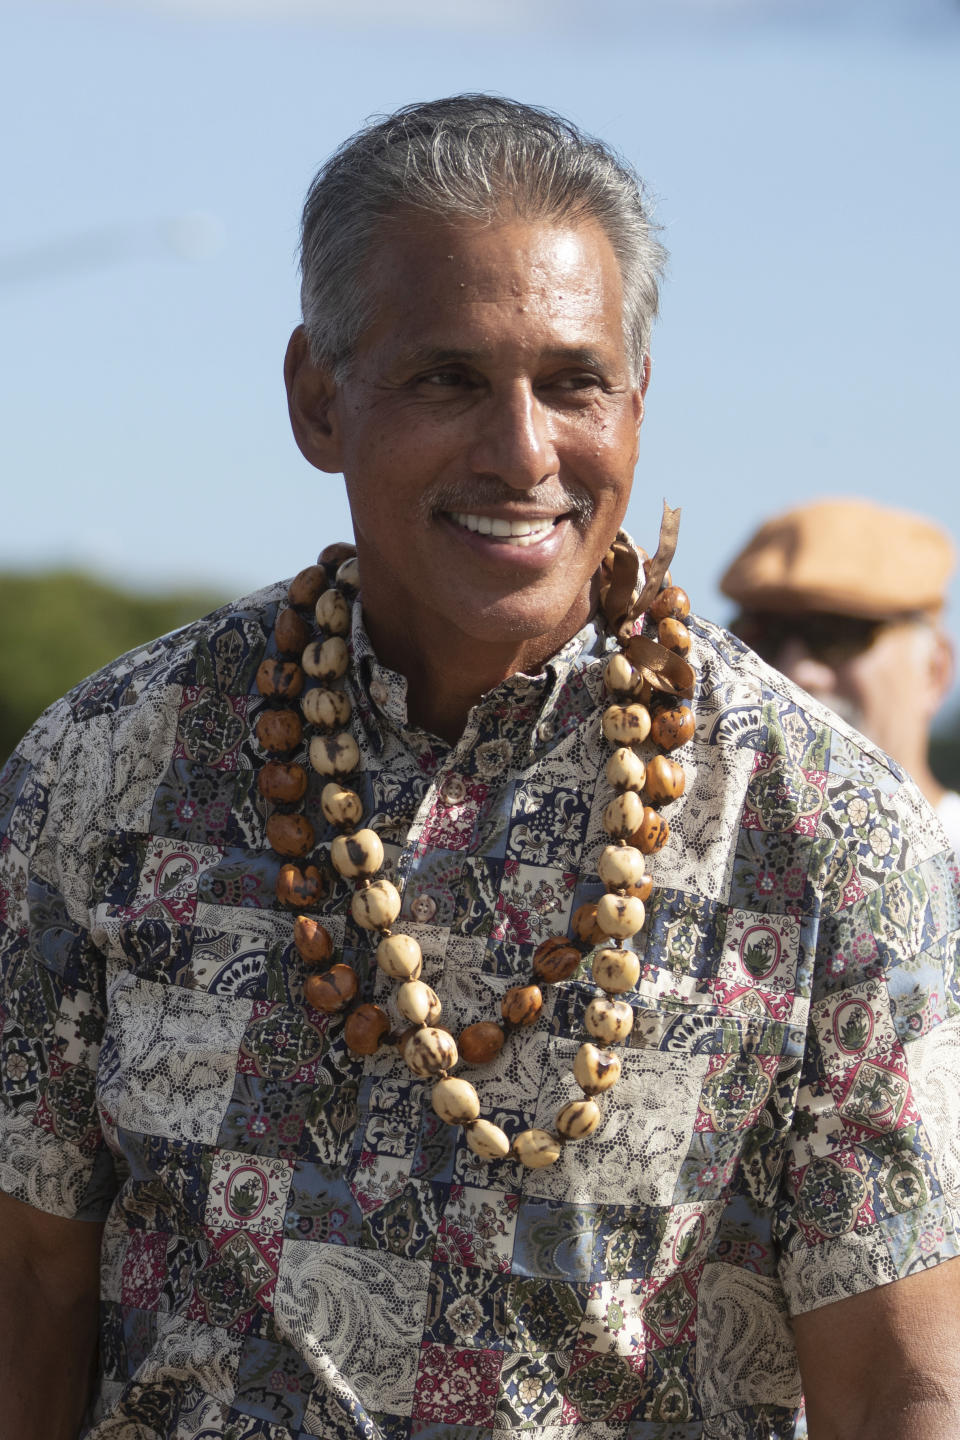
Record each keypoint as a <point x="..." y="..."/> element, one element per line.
<point x="467" y="282"/>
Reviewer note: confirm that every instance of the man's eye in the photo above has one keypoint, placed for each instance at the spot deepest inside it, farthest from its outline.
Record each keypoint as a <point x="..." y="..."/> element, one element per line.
<point x="578" y="382"/>
<point x="442" y="379"/>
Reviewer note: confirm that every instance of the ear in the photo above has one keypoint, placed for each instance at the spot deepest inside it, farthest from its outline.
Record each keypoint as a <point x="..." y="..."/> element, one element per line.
<point x="941" y="666"/>
<point x="639" y="394"/>
<point x="311" y="390"/>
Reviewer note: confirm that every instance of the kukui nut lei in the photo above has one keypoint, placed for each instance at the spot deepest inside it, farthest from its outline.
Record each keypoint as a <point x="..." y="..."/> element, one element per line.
<point x="648" y="683"/>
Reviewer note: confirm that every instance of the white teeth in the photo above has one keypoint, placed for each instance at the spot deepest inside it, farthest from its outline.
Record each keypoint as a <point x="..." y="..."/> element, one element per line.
<point x="514" y="532"/>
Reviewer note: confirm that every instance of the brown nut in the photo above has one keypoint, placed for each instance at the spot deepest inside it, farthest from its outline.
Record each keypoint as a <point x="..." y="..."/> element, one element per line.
<point x="481" y="1043"/>
<point x="652" y="833"/>
<point x="521" y="1005"/>
<point x="584" y="924"/>
<point x="279" y="679"/>
<point x="674" y="636"/>
<point x="279" y="731"/>
<point x="332" y="990"/>
<point x="290" y="834"/>
<point x="306" y="587"/>
<point x="643" y="890"/>
<point x="298" y="887"/>
<point x="313" y="941"/>
<point x="365" y="1029"/>
<point x="665" y="780"/>
<point x="672" y="603"/>
<point x="672" y="727"/>
<point x="284" y="784"/>
<point x="333" y="555"/>
<point x="556" y="959"/>
<point x="291" y="632"/>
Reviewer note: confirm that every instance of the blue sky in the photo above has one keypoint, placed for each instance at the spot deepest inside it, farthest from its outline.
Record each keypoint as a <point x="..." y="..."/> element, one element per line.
<point x="803" y="154"/>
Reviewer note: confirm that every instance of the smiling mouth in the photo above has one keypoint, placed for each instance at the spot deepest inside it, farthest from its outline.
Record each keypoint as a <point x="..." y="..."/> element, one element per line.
<point x="518" y="533"/>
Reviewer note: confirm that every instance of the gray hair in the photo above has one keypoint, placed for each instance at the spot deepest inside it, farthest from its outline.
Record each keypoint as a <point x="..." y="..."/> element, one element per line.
<point x="466" y="157"/>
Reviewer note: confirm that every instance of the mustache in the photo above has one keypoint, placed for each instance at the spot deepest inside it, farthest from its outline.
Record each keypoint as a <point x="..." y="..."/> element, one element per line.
<point x="553" y="496"/>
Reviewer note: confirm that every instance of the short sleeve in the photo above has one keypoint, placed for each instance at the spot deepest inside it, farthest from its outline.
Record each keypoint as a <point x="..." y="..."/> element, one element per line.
<point x="872" y="1179"/>
<point x="52" y="1008"/>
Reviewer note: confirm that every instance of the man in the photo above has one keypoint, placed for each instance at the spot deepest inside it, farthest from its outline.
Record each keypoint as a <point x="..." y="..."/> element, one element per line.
<point x="290" y="1238"/>
<point x="846" y="597"/>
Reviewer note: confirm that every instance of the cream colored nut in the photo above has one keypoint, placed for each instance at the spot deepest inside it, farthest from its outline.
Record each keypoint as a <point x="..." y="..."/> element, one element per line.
<point x="341" y="807"/>
<point x="429" y="1051"/>
<point x="609" y="1020"/>
<point x="349" y="573"/>
<point x="333" y="612"/>
<point x="620" y="915"/>
<point x="595" y="1070"/>
<point x="621" y="818"/>
<point x="418" y="1003"/>
<point x="620" y="865"/>
<point x="626" y="724"/>
<point x="399" y="956"/>
<point x="625" y="769"/>
<point x="536" y="1148"/>
<point x="328" y="709"/>
<point x="326" y="659"/>
<point x="577" y="1119"/>
<point x="616" y="971"/>
<point x="334" y="754"/>
<point x="357" y="854"/>
<point x="619" y="676"/>
<point x="488" y="1140"/>
<point x="456" y="1101"/>
<point x="376" y="907"/>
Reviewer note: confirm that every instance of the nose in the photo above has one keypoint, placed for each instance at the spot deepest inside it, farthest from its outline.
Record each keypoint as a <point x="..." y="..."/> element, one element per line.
<point x="515" y="444"/>
<point x="804" y="669"/>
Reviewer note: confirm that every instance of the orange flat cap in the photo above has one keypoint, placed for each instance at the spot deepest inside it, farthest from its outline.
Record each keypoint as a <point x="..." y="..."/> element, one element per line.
<point x="844" y="557"/>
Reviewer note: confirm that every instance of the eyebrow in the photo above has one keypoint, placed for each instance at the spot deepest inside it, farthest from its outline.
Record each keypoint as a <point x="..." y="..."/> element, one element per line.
<point x="439" y="355"/>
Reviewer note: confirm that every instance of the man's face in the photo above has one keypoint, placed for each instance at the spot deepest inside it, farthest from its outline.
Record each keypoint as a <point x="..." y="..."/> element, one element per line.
<point x="487" y="429"/>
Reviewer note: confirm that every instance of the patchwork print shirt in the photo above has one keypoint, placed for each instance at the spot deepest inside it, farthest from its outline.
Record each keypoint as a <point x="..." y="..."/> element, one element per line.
<point x="295" y="1246"/>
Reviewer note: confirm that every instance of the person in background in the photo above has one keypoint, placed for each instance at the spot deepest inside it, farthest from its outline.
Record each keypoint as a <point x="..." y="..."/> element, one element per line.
<point x="846" y="598"/>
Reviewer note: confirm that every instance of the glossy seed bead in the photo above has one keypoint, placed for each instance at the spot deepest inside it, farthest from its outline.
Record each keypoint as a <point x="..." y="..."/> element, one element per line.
<point x="521" y="1005"/>
<point x="307" y="586"/>
<point x="334" y="754"/>
<point x="665" y="780"/>
<point x="430" y="1051"/>
<point x="341" y="807"/>
<point x="376" y="907"/>
<point x="487" y="1140"/>
<point x="536" y="1148"/>
<point x="400" y="957"/>
<point x="326" y="659"/>
<point x="623" y="815"/>
<point x="301" y="888"/>
<point x="279" y="679"/>
<point x="583" y="923"/>
<point x="285" y="784"/>
<point x="290" y="834"/>
<point x="643" y="889"/>
<point x="348" y="574"/>
<point x="555" y="959"/>
<point x="291" y="632"/>
<point x="625" y="769"/>
<point x="595" y="1070"/>
<point x="577" y="1119"/>
<point x="455" y="1101"/>
<point x="672" y="603"/>
<point x="327" y="709"/>
<point x="332" y="613"/>
<point x="619" y="915"/>
<point x="652" y="833"/>
<point x="481" y="1043"/>
<point x="616" y="971"/>
<point x="619" y="676"/>
<point x="620" y="865"/>
<point x="609" y="1020"/>
<point x="365" y="1029"/>
<point x="332" y="990"/>
<point x="333" y="555"/>
<point x="673" y="727"/>
<point x="418" y="1003"/>
<point x="312" y="940"/>
<point x="358" y="854"/>
<point x="675" y="637"/>
<point x="279" y="731"/>
<point x="626" y="724"/>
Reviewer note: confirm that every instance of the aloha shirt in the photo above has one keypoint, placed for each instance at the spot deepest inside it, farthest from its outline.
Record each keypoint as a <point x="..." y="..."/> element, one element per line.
<point x="295" y="1245"/>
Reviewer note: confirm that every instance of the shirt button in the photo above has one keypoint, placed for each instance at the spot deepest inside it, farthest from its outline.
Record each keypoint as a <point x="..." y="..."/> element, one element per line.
<point x="423" y="909"/>
<point x="379" y="693"/>
<point x="452" y="790"/>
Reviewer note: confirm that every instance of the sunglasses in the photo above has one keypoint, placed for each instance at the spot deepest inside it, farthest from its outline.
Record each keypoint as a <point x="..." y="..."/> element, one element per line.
<point x="831" y="639"/>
